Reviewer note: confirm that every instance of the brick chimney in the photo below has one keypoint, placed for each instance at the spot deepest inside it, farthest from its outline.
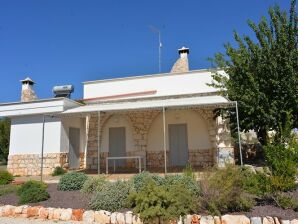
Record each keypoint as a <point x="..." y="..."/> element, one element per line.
<point x="181" y="64"/>
<point x="28" y="93"/>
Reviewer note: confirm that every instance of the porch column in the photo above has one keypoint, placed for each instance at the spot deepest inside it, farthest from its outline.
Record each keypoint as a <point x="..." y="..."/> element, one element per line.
<point x="42" y="147"/>
<point x="239" y="138"/>
<point x="87" y="125"/>
<point x="98" y="144"/>
<point x="164" y="137"/>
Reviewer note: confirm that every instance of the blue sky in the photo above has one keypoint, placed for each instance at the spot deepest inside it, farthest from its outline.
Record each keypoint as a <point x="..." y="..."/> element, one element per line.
<point x="58" y="42"/>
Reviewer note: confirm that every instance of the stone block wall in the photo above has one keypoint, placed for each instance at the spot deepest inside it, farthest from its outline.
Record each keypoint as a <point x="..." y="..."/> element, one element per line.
<point x="29" y="164"/>
<point x="141" y="122"/>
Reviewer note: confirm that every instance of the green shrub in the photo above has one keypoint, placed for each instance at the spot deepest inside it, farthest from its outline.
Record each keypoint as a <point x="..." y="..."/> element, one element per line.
<point x="72" y="181"/>
<point x="32" y="191"/>
<point x="93" y="184"/>
<point x="112" y="197"/>
<point x="141" y="179"/>
<point x="58" y="171"/>
<point x="158" y="203"/>
<point x="185" y="181"/>
<point x="223" y="191"/>
<point x="5" y="177"/>
<point x="188" y="171"/>
<point x="282" y="161"/>
<point x="286" y="202"/>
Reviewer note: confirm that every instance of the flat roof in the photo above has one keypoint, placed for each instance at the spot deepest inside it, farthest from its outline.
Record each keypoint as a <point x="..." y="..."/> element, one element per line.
<point x="150" y="75"/>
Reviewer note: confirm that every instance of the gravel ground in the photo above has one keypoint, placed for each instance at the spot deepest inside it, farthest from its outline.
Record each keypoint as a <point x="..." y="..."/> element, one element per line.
<point x="6" y="220"/>
<point x="59" y="199"/>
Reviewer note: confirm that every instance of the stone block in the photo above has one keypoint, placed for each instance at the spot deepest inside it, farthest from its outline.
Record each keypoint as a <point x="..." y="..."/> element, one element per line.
<point x="294" y="221"/>
<point x="8" y="210"/>
<point x="256" y="220"/>
<point x="33" y="211"/>
<point x="43" y="213"/>
<point x="88" y="216"/>
<point x="57" y="213"/>
<point x="102" y="216"/>
<point x="77" y="214"/>
<point x="207" y="220"/>
<point x="235" y="219"/>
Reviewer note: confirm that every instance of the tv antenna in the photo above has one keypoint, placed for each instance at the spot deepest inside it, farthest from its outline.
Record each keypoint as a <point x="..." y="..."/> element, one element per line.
<point x="157" y="31"/>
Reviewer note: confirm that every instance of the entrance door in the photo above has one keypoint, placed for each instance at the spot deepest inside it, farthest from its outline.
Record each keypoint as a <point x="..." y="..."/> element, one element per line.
<point x="74" y="148"/>
<point x="178" y="144"/>
<point x="117" y="144"/>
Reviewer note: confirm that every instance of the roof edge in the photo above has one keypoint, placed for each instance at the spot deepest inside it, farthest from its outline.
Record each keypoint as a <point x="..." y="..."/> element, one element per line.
<point x="150" y="75"/>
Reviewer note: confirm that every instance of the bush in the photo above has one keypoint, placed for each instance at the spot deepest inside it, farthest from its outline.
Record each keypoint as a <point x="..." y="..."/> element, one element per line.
<point x="141" y="179"/>
<point x="72" y="181"/>
<point x="93" y="184"/>
<point x="282" y="161"/>
<point x="33" y="191"/>
<point x="58" y="171"/>
<point x="5" y="177"/>
<point x="286" y="202"/>
<point x="188" y="171"/>
<point x="112" y="197"/>
<point x="158" y="203"/>
<point x="223" y="191"/>
<point x="185" y="181"/>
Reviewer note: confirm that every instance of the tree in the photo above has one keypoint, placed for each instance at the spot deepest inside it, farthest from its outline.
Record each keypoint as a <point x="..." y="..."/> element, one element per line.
<point x="262" y="74"/>
<point x="4" y="138"/>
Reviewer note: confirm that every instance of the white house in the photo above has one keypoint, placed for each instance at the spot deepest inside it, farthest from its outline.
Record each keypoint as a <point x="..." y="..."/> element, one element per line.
<point x="165" y="120"/>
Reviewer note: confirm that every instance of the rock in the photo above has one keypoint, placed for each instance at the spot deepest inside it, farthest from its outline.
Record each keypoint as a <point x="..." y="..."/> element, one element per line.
<point x="268" y="220"/>
<point x="43" y="213"/>
<point x="114" y="218"/>
<point x="195" y="219"/>
<point x="8" y="210"/>
<point x="33" y="211"/>
<point x="256" y="220"/>
<point x="51" y="213"/>
<point x="57" y="213"/>
<point x="217" y="220"/>
<point x="235" y="219"/>
<point x="276" y="220"/>
<point x="187" y="219"/>
<point x="102" y="216"/>
<point x="285" y="222"/>
<point x="88" y="216"/>
<point x="250" y="168"/>
<point x="77" y="214"/>
<point x="120" y="218"/>
<point x="136" y="220"/>
<point x="128" y="217"/>
<point x="18" y="210"/>
<point x="1" y="211"/>
<point x="66" y="214"/>
<point x="207" y="220"/>
<point x="294" y="221"/>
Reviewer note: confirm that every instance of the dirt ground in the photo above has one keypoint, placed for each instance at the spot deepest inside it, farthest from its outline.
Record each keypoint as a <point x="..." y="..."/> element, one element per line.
<point x="75" y="199"/>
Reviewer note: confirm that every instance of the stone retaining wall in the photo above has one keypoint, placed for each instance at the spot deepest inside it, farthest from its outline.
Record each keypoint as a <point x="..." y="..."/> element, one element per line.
<point x="105" y="217"/>
<point x="29" y="164"/>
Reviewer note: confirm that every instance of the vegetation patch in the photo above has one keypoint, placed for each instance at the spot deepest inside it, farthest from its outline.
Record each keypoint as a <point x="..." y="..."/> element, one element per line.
<point x="32" y="191"/>
<point x="58" y="171"/>
<point x="5" y="177"/>
<point x="72" y="181"/>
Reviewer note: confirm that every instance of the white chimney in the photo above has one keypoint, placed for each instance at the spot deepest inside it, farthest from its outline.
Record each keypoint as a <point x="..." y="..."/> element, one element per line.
<point x="183" y="52"/>
<point x="28" y="93"/>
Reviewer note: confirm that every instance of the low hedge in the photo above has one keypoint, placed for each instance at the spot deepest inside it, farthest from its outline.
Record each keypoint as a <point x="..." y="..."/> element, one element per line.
<point x="72" y="181"/>
<point x="32" y="191"/>
<point x="5" y="177"/>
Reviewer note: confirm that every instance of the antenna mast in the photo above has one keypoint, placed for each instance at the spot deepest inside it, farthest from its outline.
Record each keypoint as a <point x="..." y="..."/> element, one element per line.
<point x="155" y="30"/>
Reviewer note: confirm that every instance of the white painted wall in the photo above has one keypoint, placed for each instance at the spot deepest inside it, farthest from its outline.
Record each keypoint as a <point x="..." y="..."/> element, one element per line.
<point x="73" y="122"/>
<point x="198" y="137"/>
<point x="113" y="122"/>
<point x="164" y="84"/>
<point x="26" y="135"/>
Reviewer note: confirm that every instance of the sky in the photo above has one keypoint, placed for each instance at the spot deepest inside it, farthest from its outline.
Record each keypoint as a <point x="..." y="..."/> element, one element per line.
<point x="59" y="42"/>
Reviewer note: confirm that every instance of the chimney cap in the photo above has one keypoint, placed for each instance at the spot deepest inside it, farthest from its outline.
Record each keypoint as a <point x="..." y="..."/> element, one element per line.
<point x="183" y="50"/>
<point x="27" y="80"/>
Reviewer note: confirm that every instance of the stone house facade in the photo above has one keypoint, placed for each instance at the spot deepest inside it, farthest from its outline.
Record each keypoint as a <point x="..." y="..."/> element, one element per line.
<point x="166" y="119"/>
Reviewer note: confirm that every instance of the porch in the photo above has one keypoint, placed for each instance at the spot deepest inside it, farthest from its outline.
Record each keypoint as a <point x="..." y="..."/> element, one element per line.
<point x="166" y="133"/>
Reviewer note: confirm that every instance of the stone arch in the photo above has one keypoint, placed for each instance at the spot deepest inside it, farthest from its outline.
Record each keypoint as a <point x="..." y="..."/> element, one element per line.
<point x="116" y="120"/>
<point x="197" y="125"/>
